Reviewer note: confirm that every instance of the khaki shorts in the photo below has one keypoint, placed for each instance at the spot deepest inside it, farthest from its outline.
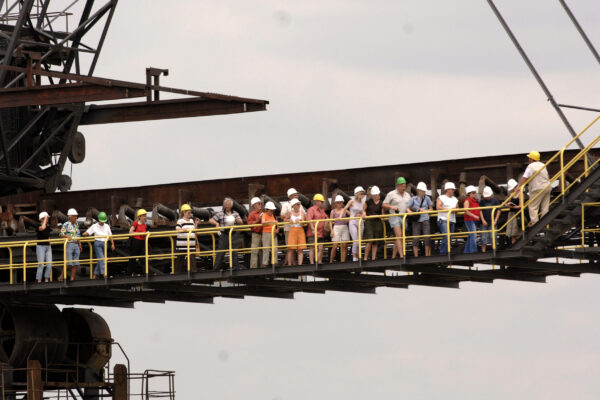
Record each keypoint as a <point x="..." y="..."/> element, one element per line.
<point x="341" y="233"/>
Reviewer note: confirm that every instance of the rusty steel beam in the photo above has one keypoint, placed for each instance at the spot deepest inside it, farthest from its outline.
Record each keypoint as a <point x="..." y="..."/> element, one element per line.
<point x="65" y="93"/>
<point x="166" y="109"/>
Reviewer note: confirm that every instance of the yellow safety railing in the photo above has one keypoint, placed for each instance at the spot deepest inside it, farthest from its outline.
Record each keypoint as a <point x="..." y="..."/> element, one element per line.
<point x="585" y="230"/>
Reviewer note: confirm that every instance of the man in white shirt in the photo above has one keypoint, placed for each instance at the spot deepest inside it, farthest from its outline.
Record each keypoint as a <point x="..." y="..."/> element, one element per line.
<point x="539" y="187"/>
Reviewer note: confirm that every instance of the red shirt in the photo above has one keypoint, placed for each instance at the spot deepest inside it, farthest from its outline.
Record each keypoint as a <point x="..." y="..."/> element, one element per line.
<point x="472" y="203"/>
<point x="137" y="227"/>
<point x="254" y="218"/>
<point x="315" y="213"/>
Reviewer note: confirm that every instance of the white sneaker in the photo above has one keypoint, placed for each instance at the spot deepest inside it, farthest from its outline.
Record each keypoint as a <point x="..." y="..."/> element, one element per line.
<point x="354" y="259"/>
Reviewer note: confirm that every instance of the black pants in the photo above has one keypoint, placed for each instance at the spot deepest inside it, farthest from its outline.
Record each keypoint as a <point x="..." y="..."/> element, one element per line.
<point x="137" y="248"/>
<point x="181" y="262"/>
<point x="224" y="245"/>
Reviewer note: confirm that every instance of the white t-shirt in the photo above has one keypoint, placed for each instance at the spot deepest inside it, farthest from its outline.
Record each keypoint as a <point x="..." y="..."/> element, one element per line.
<point x="541" y="180"/>
<point x="99" y="230"/>
<point x="448" y="203"/>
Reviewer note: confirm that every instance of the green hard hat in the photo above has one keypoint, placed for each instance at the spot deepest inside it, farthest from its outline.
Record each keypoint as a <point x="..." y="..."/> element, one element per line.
<point x="400" y="180"/>
<point x="102" y="216"/>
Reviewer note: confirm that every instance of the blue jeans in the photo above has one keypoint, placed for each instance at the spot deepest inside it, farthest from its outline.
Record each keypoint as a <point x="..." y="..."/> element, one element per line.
<point x="443" y="229"/>
<point x="44" y="258"/>
<point x="73" y="254"/>
<point x="471" y="245"/>
<point x="99" y="253"/>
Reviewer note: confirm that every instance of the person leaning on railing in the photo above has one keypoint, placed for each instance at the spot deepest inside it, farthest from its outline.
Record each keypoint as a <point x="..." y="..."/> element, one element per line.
<point x="539" y="187"/>
<point x="420" y="225"/>
<point x="43" y="251"/>
<point x="513" y="228"/>
<point x="70" y="230"/>
<point x="373" y="227"/>
<point x="226" y="218"/>
<point x="256" y="237"/>
<point x="339" y="229"/>
<point x="100" y="228"/>
<point x="297" y="237"/>
<point x="269" y="232"/>
<point x="396" y="202"/>
<point x="446" y="202"/>
<point x="184" y="224"/>
<point x="472" y="218"/>
<point x="137" y="243"/>
<point x="356" y="207"/>
<point x="286" y="209"/>
<point x="487" y="224"/>
<point x="315" y="213"/>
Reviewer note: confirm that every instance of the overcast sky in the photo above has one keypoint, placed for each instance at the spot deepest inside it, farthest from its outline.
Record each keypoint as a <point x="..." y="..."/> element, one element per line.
<point x="355" y="83"/>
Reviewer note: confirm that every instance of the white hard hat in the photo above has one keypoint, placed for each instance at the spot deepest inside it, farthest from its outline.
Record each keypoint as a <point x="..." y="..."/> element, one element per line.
<point x="43" y="214"/>
<point x="358" y="189"/>
<point x="375" y="190"/>
<point x="339" y="198"/>
<point x="422" y="186"/>
<point x="470" y="189"/>
<point x="291" y="191"/>
<point x="449" y="185"/>
<point x="488" y="192"/>
<point x="270" y="206"/>
<point x="254" y="201"/>
<point x="72" y="211"/>
<point x="511" y="184"/>
<point x="294" y="202"/>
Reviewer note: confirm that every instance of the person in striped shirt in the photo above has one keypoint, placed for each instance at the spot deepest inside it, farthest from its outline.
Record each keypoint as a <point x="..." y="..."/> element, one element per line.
<point x="185" y="224"/>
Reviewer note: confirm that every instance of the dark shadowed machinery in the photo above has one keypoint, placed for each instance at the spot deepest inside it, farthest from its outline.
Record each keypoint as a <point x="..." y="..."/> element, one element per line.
<point x="49" y="50"/>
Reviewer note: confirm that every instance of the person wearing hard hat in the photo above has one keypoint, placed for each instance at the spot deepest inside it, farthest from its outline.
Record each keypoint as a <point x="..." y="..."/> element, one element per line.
<point x="513" y="228"/>
<point x="420" y="224"/>
<point x="539" y="187"/>
<point x="356" y="206"/>
<point x="186" y="223"/>
<point x="138" y="242"/>
<point x="269" y="233"/>
<point x="444" y="203"/>
<point x="487" y="224"/>
<point x="339" y="229"/>
<point x="396" y="202"/>
<point x="101" y="231"/>
<point x="315" y="213"/>
<point x="373" y="227"/>
<point x="256" y="240"/>
<point x="43" y="251"/>
<point x="471" y="218"/>
<point x="286" y="209"/>
<point x="226" y="218"/>
<point x="297" y="238"/>
<point x="70" y="230"/>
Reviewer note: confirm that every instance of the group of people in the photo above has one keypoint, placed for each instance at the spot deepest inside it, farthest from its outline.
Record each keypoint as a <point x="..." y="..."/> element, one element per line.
<point x="360" y="217"/>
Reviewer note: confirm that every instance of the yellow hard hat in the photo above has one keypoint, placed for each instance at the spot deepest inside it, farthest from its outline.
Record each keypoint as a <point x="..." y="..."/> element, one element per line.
<point x="319" y="197"/>
<point x="186" y="207"/>
<point x="534" y="155"/>
<point x="141" y="211"/>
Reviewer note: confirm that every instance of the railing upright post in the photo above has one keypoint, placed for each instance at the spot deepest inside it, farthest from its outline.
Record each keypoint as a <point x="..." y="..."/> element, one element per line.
<point x="402" y="243"/>
<point x="25" y="263"/>
<point x="10" y="263"/>
<point x="65" y="261"/>
<point x="189" y="261"/>
<point x="147" y="234"/>
<point x="230" y="233"/>
<point x="493" y="231"/>
<point x="106" y="259"/>
<point x="448" y="246"/>
<point x="273" y="258"/>
<point x="562" y="173"/>
<point x="316" y="236"/>
<point x="384" y="239"/>
<point x="522" y="202"/>
<point x="360" y="220"/>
